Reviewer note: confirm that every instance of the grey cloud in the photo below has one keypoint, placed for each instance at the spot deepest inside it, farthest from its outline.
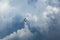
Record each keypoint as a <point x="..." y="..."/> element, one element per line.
<point x="54" y="3"/>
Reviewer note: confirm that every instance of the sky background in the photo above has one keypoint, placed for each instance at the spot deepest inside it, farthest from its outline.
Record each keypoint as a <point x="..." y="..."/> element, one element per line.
<point x="43" y="19"/>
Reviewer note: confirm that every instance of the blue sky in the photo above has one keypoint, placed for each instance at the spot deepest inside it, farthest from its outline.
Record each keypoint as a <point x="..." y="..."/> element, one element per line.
<point x="43" y="19"/>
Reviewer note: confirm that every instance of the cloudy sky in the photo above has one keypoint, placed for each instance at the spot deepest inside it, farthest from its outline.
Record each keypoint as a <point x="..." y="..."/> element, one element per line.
<point x="43" y="19"/>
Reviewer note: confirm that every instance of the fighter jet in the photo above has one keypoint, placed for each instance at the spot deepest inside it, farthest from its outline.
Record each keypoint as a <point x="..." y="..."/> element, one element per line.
<point x="25" y="19"/>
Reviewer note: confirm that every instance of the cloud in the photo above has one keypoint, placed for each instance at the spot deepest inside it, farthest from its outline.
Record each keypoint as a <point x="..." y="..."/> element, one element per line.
<point x="54" y="3"/>
<point x="4" y="6"/>
<point x="40" y="16"/>
<point x="6" y="15"/>
<point x="23" y="34"/>
<point x="50" y="11"/>
<point x="5" y="9"/>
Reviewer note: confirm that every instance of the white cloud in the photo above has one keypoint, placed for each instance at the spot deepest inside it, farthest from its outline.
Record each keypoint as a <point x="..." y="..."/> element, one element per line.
<point x="50" y="11"/>
<point x="6" y="13"/>
<point x="49" y="15"/>
<point x="22" y="34"/>
<point x="4" y="6"/>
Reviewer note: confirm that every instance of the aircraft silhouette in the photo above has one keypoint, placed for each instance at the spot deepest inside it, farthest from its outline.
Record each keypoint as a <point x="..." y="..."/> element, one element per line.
<point x="25" y="19"/>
